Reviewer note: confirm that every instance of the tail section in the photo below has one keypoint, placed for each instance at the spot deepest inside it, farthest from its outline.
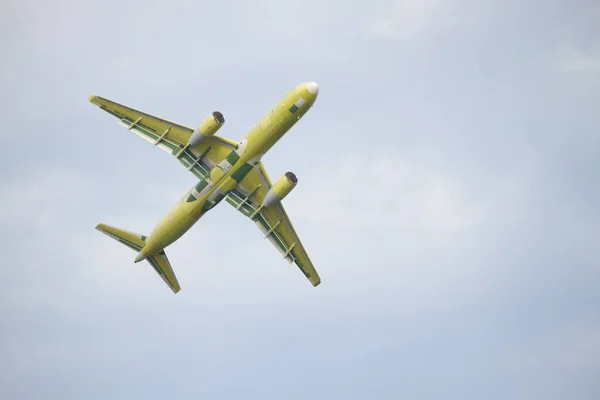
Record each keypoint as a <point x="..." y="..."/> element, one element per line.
<point x="136" y="242"/>
<point x="162" y="266"/>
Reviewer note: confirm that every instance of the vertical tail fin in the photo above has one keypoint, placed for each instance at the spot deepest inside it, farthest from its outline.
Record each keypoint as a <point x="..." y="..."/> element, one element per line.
<point x="136" y="242"/>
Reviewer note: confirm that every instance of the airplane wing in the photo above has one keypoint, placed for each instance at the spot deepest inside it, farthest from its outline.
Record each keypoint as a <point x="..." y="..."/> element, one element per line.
<point x="272" y="221"/>
<point x="170" y="137"/>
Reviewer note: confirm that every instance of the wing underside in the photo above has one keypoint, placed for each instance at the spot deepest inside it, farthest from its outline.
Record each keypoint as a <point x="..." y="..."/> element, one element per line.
<point x="170" y="137"/>
<point x="272" y="221"/>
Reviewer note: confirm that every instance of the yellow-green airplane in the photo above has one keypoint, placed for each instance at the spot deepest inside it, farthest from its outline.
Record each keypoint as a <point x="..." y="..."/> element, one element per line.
<point x="227" y="170"/>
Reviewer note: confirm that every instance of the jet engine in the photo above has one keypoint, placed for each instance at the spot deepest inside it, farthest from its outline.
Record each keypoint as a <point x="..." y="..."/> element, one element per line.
<point x="207" y="128"/>
<point x="280" y="189"/>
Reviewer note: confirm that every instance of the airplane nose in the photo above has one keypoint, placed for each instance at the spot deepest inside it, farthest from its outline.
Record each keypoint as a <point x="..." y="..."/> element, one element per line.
<point x="312" y="87"/>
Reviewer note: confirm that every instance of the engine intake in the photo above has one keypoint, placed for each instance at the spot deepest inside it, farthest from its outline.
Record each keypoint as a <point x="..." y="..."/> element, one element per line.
<point x="280" y="189"/>
<point x="207" y="128"/>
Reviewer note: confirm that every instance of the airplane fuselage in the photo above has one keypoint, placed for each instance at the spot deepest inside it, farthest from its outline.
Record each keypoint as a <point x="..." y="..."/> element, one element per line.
<point x="226" y="175"/>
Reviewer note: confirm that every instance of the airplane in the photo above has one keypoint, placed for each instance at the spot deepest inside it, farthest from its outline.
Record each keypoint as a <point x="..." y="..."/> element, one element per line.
<point x="226" y="169"/>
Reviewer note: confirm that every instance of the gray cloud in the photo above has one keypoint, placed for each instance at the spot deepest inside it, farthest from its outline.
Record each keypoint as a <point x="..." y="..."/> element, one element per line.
<point x="448" y="197"/>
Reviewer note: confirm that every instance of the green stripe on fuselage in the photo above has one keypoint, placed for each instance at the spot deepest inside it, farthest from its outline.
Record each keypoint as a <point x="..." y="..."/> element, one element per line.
<point x="218" y="198"/>
<point x="241" y="172"/>
<point x="206" y="206"/>
<point x="201" y="185"/>
<point x="232" y="158"/>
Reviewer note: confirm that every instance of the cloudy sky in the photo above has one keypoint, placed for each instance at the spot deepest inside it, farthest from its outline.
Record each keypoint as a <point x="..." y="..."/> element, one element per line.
<point x="448" y="195"/>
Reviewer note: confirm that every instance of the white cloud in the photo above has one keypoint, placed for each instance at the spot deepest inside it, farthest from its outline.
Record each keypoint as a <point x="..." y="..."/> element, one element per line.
<point x="386" y="192"/>
<point x="380" y="224"/>
<point x="37" y="199"/>
<point x="574" y="59"/>
<point x="579" y="51"/>
<point x="569" y="347"/>
<point x="406" y="18"/>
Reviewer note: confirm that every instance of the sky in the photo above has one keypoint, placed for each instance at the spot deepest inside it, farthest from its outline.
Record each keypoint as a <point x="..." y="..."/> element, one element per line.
<point x="448" y="197"/>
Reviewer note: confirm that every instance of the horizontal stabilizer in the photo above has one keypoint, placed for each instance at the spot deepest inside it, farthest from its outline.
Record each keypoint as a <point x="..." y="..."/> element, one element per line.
<point x="136" y="242"/>
<point x="162" y="266"/>
<point x="132" y="240"/>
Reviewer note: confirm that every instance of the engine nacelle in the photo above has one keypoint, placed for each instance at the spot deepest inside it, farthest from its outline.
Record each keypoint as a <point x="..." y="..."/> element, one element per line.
<point x="207" y="128"/>
<point x="280" y="189"/>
